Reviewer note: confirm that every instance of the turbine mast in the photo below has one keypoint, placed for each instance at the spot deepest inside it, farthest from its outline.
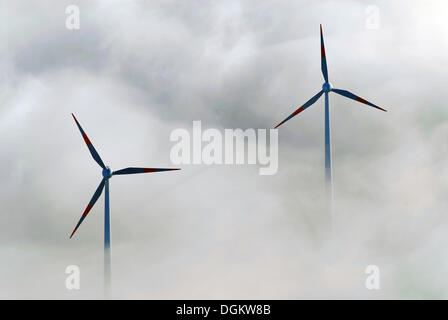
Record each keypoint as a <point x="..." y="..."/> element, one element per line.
<point x="107" y="253"/>
<point x="328" y="174"/>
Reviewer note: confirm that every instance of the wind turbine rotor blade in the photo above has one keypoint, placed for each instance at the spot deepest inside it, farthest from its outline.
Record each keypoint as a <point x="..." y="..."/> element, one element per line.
<point x="89" y="144"/>
<point x="352" y="96"/>
<point x="306" y="105"/>
<point x="141" y="170"/>
<point x="92" y="202"/>
<point x="322" y="56"/>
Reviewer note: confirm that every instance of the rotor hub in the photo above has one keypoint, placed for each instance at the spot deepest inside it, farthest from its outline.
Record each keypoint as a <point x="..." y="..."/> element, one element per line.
<point x="107" y="173"/>
<point x="326" y="87"/>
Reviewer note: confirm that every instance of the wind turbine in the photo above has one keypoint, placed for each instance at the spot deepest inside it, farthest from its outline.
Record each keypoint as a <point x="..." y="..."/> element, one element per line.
<point x="327" y="88"/>
<point x="104" y="184"/>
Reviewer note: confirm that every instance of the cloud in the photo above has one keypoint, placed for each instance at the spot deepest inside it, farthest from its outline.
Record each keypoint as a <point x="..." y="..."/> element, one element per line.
<point x="137" y="70"/>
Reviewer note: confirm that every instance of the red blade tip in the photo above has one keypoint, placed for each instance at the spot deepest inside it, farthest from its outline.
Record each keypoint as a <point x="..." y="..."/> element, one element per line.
<point x="73" y="233"/>
<point x="76" y="120"/>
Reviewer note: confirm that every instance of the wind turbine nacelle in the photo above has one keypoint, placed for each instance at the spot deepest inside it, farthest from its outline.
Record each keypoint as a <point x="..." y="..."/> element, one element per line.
<point x="326" y="87"/>
<point x="107" y="173"/>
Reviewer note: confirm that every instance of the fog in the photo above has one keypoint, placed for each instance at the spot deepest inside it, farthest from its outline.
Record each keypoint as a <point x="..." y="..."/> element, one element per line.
<point x="136" y="70"/>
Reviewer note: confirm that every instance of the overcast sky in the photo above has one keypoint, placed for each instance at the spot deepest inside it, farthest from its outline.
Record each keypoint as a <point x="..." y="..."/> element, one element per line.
<point x="136" y="70"/>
